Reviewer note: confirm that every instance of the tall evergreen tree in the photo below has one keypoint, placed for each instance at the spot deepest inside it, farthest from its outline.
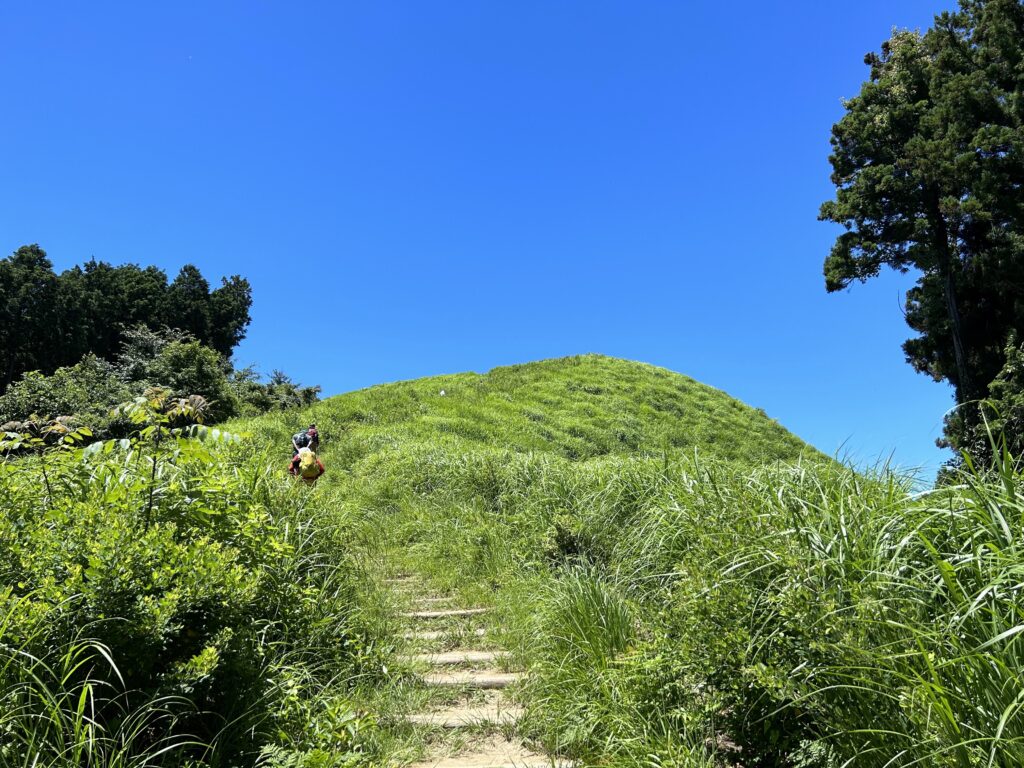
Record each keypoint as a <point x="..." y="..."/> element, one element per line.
<point x="105" y="299"/>
<point x="928" y="162"/>
<point x="229" y="313"/>
<point x="29" y="332"/>
<point x="188" y="303"/>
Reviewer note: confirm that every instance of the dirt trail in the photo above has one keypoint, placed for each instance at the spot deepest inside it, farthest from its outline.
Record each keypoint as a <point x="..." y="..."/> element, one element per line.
<point x="474" y="682"/>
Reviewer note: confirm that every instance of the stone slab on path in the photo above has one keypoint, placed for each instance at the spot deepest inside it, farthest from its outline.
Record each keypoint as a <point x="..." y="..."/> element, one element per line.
<point x="437" y="634"/>
<point x="468" y="715"/>
<point x="443" y="614"/>
<point x="487" y="679"/>
<point x="431" y="600"/>
<point x="482" y="707"/>
<point x="495" y="752"/>
<point x="452" y="658"/>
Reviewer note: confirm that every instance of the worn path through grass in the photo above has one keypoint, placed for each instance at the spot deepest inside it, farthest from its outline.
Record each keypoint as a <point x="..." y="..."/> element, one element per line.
<point x="469" y="715"/>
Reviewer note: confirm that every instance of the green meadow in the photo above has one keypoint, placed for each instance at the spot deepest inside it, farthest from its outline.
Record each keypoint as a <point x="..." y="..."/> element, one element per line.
<point x="685" y="583"/>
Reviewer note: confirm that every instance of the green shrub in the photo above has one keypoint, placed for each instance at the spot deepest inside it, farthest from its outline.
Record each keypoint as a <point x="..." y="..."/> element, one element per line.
<point x="189" y="368"/>
<point x="200" y="572"/>
<point x="87" y="391"/>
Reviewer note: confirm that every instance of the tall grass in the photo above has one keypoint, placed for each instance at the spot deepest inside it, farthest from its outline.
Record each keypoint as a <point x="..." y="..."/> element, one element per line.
<point x="69" y="709"/>
<point x="176" y="602"/>
<point x="683" y="586"/>
<point x="798" y="613"/>
<point x="686" y="584"/>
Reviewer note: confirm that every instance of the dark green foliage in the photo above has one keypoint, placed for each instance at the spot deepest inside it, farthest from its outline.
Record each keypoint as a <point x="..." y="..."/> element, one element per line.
<point x="229" y="314"/>
<point x="48" y="321"/>
<point x="984" y="429"/>
<point x="929" y="168"/>
<point x="29" y="330"/>
<point x="188" y="367"/>
<point x="100" y="301"/>
<point x="141" y="346"/>
<point x="189" y="296"/>
<point x="88" y="390"/>
<point x="279" y="393"/>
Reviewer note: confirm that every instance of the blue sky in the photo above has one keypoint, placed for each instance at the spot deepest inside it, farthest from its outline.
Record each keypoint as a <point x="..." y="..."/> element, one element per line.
<point x="417" y="188"/>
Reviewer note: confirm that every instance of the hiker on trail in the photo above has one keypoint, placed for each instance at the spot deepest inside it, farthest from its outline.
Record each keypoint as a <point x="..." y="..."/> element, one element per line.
<point x="306" y="465"/>
<point x="308" y="438"/>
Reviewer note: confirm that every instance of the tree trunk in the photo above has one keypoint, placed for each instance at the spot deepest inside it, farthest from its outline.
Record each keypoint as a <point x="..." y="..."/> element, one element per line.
<point x="9" y="373"/>
<point x="965" y="385"/>
<point x="944" y="262"/>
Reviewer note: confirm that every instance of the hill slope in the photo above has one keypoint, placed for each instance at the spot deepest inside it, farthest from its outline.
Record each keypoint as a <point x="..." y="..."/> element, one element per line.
<point x="576" y="407"/>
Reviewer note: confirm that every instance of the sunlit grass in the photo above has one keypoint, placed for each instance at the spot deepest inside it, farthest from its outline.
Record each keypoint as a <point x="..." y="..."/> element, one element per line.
<point x="685" y="582"/>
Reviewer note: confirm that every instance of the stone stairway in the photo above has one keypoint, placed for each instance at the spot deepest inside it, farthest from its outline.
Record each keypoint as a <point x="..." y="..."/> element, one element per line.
<point x="472" y="682"/>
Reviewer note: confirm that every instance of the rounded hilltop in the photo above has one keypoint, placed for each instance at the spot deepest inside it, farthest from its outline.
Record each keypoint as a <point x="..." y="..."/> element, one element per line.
<point x="578" y="407"/>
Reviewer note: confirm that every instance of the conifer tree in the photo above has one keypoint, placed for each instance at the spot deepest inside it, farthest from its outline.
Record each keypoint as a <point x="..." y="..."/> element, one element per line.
<point x="928" y="163"/>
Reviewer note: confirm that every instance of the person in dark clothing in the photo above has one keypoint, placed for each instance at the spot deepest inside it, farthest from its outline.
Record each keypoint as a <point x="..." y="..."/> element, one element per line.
<point x="308" y="438"/>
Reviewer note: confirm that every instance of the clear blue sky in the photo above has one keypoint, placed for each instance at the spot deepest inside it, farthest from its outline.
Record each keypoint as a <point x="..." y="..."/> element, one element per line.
<point x="431" y="187"/>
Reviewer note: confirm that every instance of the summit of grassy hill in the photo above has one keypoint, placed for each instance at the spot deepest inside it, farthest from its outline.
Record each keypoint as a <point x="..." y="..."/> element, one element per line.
<point x="577" y="407"/>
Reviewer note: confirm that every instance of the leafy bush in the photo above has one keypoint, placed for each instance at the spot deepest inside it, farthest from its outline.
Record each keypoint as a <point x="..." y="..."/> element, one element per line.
<point x="279" y="393"/>
<point x="187" y="367"/>
<point x="87" y="390"/>
<point x="85" y="393"/>
<point x="205" y="587"/>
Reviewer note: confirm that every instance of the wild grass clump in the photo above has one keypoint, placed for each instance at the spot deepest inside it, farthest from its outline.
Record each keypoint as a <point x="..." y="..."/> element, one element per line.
<point x="812" y="616"/>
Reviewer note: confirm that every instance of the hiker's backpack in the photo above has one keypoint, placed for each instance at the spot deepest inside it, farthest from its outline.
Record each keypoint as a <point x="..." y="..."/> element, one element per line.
<point x="307" y="464"/>
<point x="301" y="439"/>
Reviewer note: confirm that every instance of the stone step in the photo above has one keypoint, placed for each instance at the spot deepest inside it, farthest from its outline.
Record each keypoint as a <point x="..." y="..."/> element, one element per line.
<point x="433" y="600"/>
<point x="467" y="716"/>
<point x="497" y="761"/>
<point x="451" y="658"/>
<point x="451" y="612"/>
<point x="486" y="679"/>
<point x="494" y="752"/>
<point x="437" y="634"/>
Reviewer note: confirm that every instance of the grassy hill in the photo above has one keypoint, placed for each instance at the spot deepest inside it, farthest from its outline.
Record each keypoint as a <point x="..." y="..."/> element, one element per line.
<point x="686" y="583"/>
<point x="576" y="407"/>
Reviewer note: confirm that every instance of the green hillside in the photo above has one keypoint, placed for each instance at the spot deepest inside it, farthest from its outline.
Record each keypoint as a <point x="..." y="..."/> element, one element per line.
<point x="576" y="407"/>
<point x="675" y="579"/>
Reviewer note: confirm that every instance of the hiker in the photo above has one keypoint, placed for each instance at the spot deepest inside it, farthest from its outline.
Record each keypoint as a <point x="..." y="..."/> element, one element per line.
<point x="306" y="465"/>
<point x="308" y="438"/>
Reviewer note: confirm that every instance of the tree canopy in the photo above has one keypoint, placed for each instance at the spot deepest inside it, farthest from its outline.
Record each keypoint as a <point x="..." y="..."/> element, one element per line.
<point x="48" y="321"/>
<point x="928" y="163"/>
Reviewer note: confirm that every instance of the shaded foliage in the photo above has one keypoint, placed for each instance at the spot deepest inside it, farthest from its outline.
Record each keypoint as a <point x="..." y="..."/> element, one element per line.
<point x="48" y="321"/>
<point x="278" y="393"/>
<point x="984" y="429"/>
